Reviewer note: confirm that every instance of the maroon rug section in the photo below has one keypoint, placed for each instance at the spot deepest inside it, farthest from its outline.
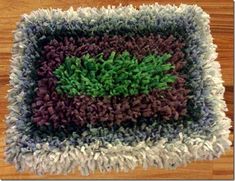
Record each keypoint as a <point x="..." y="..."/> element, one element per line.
<point x="50" y="107"/>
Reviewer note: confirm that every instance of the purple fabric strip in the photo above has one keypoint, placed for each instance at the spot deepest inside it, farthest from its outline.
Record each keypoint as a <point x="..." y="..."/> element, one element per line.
<point x="49" y="107"/>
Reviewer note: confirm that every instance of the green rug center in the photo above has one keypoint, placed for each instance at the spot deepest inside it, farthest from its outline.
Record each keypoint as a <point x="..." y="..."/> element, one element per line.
<point x="120" y="74"/>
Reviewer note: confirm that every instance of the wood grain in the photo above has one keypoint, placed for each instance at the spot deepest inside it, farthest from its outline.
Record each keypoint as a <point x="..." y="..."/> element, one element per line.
<point x="221" y="13"/>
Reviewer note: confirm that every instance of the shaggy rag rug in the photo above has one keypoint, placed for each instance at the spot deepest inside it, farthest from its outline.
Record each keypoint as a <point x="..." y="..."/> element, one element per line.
<point x="113" y="88"/>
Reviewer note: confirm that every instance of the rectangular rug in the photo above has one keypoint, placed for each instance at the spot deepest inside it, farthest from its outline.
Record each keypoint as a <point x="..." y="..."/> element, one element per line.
<point x="114" y="88"/>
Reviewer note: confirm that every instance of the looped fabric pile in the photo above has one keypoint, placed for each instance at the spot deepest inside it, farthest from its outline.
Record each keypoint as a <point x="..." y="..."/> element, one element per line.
<point x="113" y="88"/>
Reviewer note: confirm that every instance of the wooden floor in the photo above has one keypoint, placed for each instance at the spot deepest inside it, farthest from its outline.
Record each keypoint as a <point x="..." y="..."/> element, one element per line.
<point x="222" y="30"/>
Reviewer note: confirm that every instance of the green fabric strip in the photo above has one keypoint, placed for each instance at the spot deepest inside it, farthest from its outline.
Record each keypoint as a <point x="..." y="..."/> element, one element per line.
<point x="120" y="74"/>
